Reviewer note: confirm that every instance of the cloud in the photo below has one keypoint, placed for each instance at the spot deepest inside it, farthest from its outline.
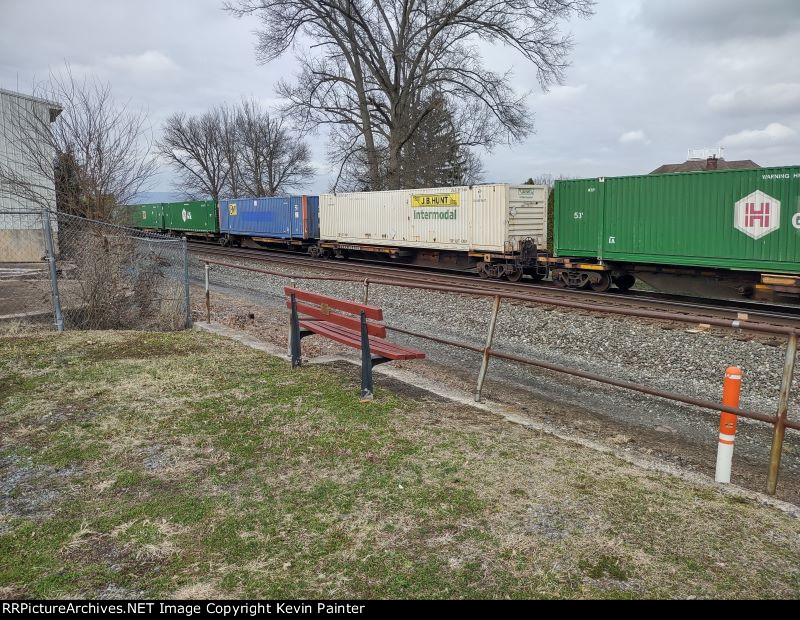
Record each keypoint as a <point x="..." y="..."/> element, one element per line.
<point x="148" y="66"/>
<point x="781" y="97"/>
<point x="774" y="134"/>
<point x="634" y="137"/>
<point x="714" y="22"/>
<point x="564" y="94"/>
<point x="147" y="63"/>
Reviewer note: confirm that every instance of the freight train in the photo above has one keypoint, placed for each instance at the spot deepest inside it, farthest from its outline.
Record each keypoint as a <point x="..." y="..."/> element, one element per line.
<point x="713" y="233"/>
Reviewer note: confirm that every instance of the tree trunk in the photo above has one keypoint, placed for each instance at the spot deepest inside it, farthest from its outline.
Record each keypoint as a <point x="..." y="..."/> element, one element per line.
<point x="363" y="109"/>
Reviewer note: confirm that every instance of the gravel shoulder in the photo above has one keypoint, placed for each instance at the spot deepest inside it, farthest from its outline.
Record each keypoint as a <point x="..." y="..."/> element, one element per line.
<point x="664" y="355"/>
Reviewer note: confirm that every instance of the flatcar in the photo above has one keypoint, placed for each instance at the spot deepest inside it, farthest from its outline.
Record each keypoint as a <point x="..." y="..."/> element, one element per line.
<point x="714" y="233"/>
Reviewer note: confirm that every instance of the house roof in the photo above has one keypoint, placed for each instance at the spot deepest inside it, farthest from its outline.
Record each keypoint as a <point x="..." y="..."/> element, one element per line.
<point x="701" y="165"/>
<point x="55" y="108"/>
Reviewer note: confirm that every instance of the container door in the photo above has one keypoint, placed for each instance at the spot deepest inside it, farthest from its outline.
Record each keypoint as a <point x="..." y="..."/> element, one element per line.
<point x="295" y="223"/>
<point x="527" y="215"/>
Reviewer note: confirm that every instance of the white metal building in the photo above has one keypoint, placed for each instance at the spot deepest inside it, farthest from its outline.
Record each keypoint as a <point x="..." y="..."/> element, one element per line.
<point x="21" y="234"/>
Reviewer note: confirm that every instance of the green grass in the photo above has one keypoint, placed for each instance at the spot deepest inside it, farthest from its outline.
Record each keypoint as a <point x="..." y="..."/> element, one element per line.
<point x="187" y="465"/>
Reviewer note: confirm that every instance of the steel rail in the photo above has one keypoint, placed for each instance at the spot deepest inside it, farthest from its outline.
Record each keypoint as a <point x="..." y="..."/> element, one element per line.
<point x="533" y="298"/>
<point x="712" y="307"/>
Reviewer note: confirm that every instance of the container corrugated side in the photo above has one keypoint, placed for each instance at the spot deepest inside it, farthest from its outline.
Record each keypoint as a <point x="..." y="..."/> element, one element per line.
<point x="150" y="216"/>
<point x="192" y="216"/>
<point x="490" y="218"/>
<point x="285" y="217"/>
<point x="735" y="219"/>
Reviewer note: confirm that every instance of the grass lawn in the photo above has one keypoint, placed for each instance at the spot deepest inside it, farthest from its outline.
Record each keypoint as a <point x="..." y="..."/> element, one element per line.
<point x="184" y="464"/>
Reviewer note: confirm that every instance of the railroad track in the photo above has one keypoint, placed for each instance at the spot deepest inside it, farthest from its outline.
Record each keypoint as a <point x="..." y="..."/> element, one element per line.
<point x="777" y="314"/>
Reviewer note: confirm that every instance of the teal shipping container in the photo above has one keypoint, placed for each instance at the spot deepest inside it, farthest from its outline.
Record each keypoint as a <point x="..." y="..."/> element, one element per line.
<point x="193" y="216"/>
<point x="744" y="220"/>
<point x="149" y="217"/>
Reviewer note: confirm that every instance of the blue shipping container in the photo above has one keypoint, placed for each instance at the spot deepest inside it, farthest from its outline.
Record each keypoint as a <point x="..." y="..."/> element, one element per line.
<point x="283" y="217"/>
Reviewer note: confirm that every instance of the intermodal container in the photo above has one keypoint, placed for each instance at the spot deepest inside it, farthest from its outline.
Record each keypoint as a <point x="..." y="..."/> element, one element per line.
<point x="197" y="216"/>
<point x="485" y="218"/>
<point x="149" y="216"/>
<point x="286" y="217"/>
<point x="729" y="219"/>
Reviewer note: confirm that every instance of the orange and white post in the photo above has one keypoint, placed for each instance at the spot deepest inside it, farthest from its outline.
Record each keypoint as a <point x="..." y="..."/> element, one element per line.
<point x="731" y="391"/>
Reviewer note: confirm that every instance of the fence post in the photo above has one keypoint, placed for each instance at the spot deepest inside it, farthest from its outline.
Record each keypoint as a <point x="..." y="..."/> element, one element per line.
<point x="366" y="291"/>
<point x="186" y="283"/>
<point x="779" y="429"/>
<point x="51" y="261"/>
<point x="731" y="392"/>
<point x="489" y="338"/>
<point x="208" y="297"/>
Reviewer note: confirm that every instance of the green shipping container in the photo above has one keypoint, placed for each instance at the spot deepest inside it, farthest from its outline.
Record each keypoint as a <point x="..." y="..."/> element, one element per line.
<point x="150" y="217"/>
<point x="198" y="216"/>
<point x="728" y="219"/>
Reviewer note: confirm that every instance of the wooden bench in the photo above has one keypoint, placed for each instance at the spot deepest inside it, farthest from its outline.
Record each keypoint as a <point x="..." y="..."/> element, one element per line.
<point x="356" y="325"/>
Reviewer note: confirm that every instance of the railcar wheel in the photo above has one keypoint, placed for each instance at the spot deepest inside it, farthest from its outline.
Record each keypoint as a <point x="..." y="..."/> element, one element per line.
<point x="559" y="283"/>
<point x="602" y="285"/>
<point x="515" y="275"/>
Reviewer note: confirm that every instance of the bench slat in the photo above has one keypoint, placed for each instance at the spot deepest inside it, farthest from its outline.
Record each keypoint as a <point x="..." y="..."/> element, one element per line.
<point x="378" y="346"/>
<point x="349" y="322"/>
<point x="372" y="312"/>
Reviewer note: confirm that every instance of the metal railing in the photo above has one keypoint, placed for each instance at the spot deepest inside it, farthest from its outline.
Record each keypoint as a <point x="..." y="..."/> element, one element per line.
<point x="779" y="420"/>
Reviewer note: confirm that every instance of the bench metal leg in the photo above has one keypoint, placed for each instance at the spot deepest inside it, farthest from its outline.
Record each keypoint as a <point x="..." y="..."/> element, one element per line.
<point x="368" y="362"/>
<point x="296" y="335"/>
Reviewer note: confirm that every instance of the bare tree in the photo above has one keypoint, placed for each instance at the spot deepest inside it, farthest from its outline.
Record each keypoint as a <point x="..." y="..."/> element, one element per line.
<point x="271" y="158"/>
<point x="373" y="61"/>
<point x="227" y="119"/>
<point x="434" y="156"/>
<point x="198" y="149"/>
<point x="97" y="151"/>
<point x="233" y="152"/>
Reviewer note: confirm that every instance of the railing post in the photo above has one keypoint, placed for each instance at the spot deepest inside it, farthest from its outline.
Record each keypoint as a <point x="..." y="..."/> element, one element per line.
<point x="366" y="291"/>
<point x="208" y="297"/>
<point x="731" y="393"/>
<point x="783" y="411"/>
<point x="50" y="251"/>
<point x="487" y="348"/>
<point x="186" y="294"/>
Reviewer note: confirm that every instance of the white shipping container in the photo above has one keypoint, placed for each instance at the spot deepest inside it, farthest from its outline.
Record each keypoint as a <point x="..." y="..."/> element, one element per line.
<point x="484" y="218"/>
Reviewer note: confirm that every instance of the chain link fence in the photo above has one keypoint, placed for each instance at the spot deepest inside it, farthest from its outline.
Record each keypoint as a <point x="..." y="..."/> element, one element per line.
<point x="88" y="274"/>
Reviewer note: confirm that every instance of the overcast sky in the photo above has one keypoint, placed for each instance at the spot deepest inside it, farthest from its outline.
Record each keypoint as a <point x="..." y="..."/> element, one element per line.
<point x="649" y="78"/>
